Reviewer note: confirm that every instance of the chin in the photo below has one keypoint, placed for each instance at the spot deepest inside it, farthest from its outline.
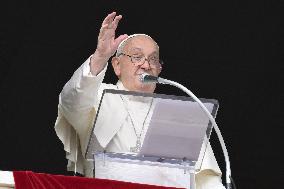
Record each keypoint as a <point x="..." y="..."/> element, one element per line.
<point x="148" y="88"/>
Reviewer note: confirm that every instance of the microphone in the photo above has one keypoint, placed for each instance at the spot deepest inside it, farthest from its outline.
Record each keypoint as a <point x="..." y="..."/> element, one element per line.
<point x="147" y="78"/>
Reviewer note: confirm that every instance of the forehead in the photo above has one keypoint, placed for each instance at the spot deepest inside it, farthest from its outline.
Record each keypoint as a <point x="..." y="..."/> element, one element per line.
<point x="141" y="44"/>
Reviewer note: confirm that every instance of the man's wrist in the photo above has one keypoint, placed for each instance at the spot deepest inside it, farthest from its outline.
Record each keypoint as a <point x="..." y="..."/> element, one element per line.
<point x="99" y="57"/>
<point x="97" y="63"/>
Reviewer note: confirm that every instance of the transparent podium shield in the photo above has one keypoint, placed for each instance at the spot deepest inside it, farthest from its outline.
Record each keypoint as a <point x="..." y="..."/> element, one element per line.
<point x="177" y="134"/>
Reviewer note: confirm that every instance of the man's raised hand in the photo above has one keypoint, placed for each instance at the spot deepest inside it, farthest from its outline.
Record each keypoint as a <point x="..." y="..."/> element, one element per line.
<point x="107" y="43"/>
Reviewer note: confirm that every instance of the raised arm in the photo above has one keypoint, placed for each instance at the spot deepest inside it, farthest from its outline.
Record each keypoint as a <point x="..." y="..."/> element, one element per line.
<point x="77" y="101"/>
<point x="79" y="95"/>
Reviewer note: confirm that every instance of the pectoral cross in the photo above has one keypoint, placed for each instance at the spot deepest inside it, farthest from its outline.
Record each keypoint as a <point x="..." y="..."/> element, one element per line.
<point x="136" y="148"/>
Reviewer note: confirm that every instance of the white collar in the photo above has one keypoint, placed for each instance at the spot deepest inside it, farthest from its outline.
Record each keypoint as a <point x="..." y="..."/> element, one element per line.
<point x="120" y="86"/>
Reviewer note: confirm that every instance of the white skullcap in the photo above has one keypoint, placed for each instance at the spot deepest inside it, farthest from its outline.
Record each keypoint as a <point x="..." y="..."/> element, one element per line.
<point x="122" y="43"/>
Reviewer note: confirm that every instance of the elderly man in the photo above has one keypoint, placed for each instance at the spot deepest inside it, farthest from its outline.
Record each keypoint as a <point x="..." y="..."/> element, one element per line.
<point x="78" y="102"/>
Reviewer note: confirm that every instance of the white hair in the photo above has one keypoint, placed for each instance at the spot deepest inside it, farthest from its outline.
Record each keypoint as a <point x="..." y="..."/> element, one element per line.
<point x="122" y="44"/>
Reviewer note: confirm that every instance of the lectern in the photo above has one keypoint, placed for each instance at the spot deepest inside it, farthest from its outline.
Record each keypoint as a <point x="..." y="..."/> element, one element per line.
<point x="176" y="137"/>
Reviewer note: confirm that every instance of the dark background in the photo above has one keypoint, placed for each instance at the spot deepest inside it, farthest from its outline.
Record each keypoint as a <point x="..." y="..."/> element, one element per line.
<point x="227" y="50"/>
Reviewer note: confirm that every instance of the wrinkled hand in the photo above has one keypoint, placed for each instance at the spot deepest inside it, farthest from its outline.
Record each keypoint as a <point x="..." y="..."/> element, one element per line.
<point x="107" y="43"/>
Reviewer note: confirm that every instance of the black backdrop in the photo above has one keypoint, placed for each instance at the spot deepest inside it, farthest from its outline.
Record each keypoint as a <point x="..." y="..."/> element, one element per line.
<point x="227" y="50"/>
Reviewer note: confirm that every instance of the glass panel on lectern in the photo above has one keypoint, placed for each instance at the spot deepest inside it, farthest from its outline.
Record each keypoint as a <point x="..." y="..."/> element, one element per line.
<point x="177" y="128"/>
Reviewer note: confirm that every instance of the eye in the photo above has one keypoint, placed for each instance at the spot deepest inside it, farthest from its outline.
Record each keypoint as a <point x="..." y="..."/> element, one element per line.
<point x="154" y="59"/>
<point x="137" y="58"/>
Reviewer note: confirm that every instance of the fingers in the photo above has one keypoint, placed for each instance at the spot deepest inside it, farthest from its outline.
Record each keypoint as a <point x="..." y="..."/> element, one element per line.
<point x="109" y="25"/>
<point x="111" y="21"/>
<point x="109" y="18"/>
<point x="116" y="21"/>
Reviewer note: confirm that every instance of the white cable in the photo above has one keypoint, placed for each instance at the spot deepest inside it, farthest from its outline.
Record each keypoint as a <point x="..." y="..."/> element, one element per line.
<point x="218" y="132"/>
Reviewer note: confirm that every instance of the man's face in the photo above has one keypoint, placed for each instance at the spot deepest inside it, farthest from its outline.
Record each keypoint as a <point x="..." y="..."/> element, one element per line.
<point x="128" y="72"/>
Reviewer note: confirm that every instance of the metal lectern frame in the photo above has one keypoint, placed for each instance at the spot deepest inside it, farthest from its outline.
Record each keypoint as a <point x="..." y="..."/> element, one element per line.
<point x="95" y="152"/>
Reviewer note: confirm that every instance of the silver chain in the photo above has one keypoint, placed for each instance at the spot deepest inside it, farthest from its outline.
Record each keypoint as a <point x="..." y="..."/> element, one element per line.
<point x="138" y="141"/>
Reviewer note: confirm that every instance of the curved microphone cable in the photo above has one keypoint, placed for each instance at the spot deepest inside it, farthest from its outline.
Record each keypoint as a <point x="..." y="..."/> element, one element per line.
<point x="146" y="78"/>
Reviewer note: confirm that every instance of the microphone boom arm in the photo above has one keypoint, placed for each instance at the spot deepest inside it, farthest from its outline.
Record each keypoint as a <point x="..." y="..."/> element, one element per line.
<point x="218" y="132"/>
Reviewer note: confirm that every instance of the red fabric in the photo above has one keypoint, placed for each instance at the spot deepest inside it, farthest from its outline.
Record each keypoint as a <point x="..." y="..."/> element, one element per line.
<point x="31" y="180"/>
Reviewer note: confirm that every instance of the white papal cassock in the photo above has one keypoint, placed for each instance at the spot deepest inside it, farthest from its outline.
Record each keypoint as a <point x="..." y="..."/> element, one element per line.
<point x="78" y="102"/>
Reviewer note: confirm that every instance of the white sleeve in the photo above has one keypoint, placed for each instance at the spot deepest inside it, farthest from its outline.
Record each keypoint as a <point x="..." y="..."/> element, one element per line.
<point x="208" y="180"/>
<point x="209" y="161"/>
<point x="76" y="112"/>
<point x="80" y="92"/>
<point x="209" y="176"/>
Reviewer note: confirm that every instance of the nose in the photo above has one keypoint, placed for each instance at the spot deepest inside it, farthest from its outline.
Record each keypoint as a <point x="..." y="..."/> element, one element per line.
<point x="145" y="65"/>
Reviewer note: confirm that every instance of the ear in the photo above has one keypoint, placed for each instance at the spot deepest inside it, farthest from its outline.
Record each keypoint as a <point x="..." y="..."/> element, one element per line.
<point x="116" y="66"/>
<point x="160" y="70"/>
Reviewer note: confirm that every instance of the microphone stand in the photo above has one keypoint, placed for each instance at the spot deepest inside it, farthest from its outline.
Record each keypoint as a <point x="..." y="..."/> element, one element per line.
<point x="218" y="132"/>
